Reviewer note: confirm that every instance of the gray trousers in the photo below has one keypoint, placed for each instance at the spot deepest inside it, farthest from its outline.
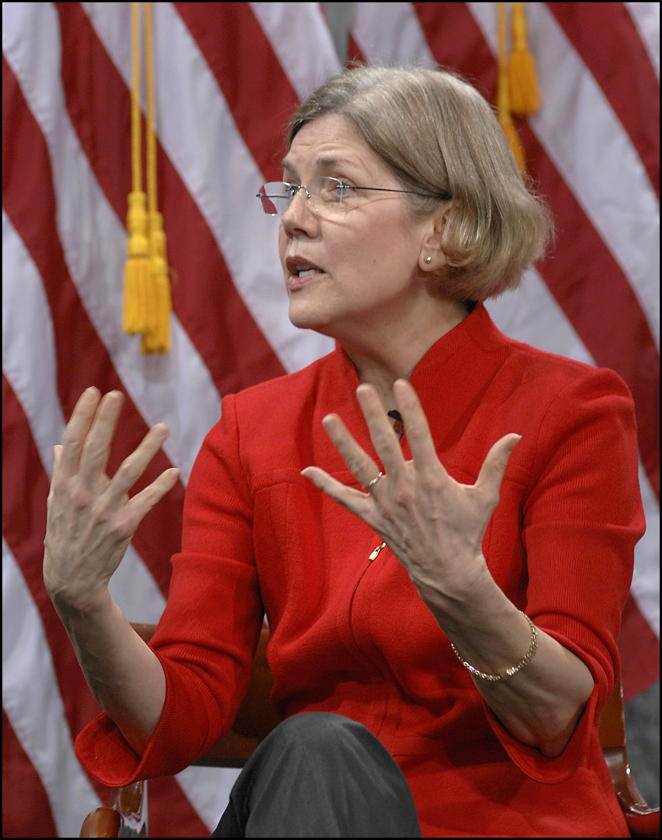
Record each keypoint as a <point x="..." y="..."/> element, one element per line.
<point x="320" y="775"/>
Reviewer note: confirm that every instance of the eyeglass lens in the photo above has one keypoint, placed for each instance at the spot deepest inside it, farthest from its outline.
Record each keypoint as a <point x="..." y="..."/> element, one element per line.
<point x="324" y="192"/>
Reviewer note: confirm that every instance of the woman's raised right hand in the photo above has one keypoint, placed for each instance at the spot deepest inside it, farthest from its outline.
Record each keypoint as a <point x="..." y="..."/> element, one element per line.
<point x="91" y="519"/>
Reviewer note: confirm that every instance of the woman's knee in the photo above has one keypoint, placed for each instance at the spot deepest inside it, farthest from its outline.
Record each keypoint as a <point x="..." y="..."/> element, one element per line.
<point x="311" y="728"/>
<point x="326" y="737"/>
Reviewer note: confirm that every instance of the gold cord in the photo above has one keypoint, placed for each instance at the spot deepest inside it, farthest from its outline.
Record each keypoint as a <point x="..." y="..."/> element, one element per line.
<point x="503" y="93"/>
<point x="147" y="297"/>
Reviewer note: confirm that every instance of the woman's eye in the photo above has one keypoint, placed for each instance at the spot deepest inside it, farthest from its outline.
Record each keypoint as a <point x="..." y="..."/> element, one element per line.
<point x="342" y="188"/>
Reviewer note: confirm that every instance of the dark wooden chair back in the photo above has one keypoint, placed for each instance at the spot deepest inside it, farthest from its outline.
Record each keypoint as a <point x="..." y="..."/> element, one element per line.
<point x="642" y="820"/>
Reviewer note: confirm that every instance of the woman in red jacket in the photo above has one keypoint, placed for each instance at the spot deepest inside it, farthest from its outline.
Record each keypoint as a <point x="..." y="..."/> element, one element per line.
<point x="437" y="521"/>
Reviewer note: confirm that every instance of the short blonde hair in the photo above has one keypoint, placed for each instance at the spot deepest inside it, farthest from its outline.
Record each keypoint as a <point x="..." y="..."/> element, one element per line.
<point x="439" y="135"/>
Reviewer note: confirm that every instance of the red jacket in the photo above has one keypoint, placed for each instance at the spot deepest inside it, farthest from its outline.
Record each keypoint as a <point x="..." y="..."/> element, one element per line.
<point x="353" y="636"/>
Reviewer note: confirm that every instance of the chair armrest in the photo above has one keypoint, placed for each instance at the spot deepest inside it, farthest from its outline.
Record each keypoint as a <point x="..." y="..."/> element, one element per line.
<point x="126" y="816"/>
<point x="102" y="822"/>
<point x="644" y="825"/>
<point x="642" y="820"/>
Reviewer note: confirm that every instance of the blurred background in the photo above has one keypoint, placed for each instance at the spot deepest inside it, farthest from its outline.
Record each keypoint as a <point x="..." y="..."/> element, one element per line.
<point x="227" y="76"/>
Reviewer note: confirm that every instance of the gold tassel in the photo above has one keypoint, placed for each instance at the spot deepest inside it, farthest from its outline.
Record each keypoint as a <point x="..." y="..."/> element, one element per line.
<point x="157" y="338"/>
<point x="137" y="267"/>
<point x="136" y="270"/>
<point x="147" y="295"/>
<point x="503" y="95"/>
<point x="524" y="93"/>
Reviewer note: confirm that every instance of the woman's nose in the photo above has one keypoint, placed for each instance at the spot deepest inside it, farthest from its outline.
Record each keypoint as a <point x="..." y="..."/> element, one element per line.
<point x="299" y="214"/>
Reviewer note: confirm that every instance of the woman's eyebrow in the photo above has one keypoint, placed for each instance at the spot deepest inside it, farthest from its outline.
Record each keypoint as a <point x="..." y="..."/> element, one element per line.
<point x="330" y="162"/>
<point x="322" y="162"/>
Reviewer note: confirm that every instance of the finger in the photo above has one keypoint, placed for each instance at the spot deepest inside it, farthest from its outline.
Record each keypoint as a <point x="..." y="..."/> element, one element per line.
<point x="359" y="463"/>
<point x="96" y="448"/>
<point x="381" y="430"/>
<point x="134" y="465"/>
<point x="495" y="463"/>
<point x="76" y="430"/>
<point x="421" y="445"/>
<point x="151" y="495"/>
<point x="57" y="459"/>
<point x="350" y="498"/>
<point x="57" y="456"/>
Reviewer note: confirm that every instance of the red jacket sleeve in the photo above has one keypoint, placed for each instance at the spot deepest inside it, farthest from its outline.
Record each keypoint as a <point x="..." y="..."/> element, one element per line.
<point x="582" y="518"/>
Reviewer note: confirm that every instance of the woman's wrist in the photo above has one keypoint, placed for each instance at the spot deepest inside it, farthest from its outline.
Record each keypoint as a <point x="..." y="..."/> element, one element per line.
<point x="485" y="628"/>
<point x="510" y="670"/>
<point x="77" y="603"/>
<point x="452" y="596"/>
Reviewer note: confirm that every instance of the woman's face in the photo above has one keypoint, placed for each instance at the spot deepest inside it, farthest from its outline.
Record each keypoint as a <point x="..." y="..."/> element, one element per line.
<point x="367" y="258"/>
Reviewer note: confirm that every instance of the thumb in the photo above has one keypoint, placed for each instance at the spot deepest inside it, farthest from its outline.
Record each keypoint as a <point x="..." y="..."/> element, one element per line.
<point x="495" y="463"/>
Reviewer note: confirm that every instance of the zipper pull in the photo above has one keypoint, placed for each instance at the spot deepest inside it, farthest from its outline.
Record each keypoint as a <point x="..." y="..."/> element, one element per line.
<point x="375" y="552"/>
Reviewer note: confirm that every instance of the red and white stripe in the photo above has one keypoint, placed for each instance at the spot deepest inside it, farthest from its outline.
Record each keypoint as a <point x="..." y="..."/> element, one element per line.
<point x="228" y="77"/>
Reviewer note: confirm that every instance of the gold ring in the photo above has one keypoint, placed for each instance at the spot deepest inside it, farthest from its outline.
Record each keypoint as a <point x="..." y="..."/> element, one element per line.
<point x="374" y="481"/>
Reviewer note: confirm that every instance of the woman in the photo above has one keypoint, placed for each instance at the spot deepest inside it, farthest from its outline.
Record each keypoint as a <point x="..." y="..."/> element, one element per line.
<point x="439" y="523"/>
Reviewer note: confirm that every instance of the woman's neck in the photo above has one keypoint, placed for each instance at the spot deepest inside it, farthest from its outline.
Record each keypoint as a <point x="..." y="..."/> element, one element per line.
<point x="381" y="357"/>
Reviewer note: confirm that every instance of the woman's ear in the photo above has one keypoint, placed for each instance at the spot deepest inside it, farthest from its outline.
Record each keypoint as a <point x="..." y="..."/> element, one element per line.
<point x="432" y="256"/>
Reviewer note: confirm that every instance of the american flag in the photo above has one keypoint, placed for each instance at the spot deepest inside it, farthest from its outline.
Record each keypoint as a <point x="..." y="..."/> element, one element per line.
<point x="227" y="77"/>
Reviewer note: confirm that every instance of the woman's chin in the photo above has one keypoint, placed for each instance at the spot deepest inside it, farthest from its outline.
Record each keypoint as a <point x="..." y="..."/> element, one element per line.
<point x="306" y="318"/>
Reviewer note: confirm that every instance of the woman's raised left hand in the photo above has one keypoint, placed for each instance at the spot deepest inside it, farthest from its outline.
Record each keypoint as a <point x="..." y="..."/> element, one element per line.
<point x="432" y="523"/>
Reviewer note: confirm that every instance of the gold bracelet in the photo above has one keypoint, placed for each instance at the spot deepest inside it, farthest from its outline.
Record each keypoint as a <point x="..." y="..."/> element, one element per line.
<point x="509" y="672"/>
